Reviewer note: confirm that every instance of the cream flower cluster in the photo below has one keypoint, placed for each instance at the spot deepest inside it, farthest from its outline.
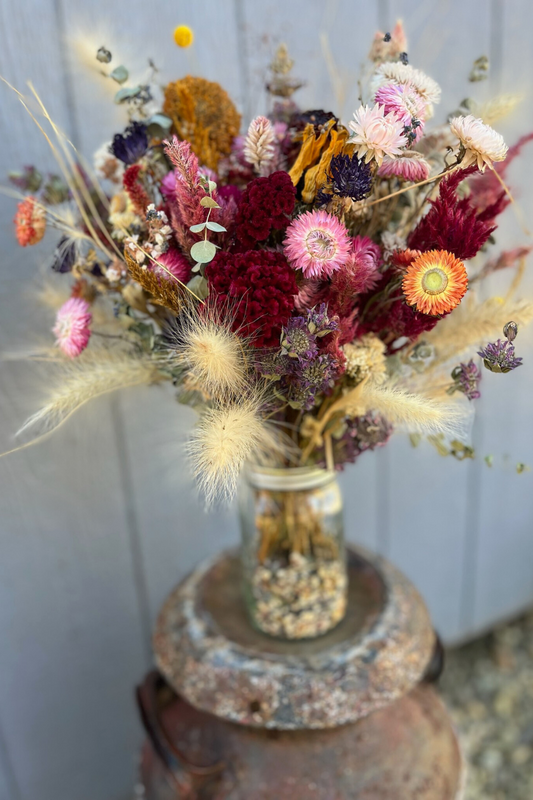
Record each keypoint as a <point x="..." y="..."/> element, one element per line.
<point x="366" y="358"/>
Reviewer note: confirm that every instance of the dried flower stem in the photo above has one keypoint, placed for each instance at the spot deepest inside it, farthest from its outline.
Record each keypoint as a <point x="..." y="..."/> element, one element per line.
<point x="408" y="188"/>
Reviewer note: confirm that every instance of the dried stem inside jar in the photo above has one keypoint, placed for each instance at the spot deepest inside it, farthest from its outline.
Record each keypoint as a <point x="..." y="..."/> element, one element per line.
<point x="299" y="581"/>
<point x="288" y="523"/>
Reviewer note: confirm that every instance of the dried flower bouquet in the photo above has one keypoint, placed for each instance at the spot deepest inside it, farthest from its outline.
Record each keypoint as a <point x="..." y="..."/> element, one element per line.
<point x="308" y="286"/>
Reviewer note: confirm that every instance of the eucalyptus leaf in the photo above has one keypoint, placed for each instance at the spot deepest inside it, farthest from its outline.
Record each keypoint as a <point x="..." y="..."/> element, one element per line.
<point x="208" y="202"/>
<point x="214" y="226"/>
<point x="198" y="228"/>
<point x="127" y="93"/>
<point x="203" y="252"/>
<point x="198" y="285"/>
<point x="120" y="74"/>
<point x="161" y="120"/>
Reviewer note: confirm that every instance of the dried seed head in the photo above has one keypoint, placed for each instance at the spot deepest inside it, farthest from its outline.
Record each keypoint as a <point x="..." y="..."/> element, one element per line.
<point x="510" y="331"/>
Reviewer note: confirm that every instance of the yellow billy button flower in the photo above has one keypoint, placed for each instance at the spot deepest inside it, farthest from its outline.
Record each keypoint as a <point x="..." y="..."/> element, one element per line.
<point x="435" y="282"/>
<point x="183" y="36"/>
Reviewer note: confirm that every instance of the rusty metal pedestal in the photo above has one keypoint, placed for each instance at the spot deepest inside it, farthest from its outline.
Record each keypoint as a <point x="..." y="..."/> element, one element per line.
<point x="237" y="715"/>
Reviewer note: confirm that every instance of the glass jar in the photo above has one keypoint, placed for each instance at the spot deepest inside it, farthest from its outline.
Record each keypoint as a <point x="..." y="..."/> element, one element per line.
<point x="293" y="554"/>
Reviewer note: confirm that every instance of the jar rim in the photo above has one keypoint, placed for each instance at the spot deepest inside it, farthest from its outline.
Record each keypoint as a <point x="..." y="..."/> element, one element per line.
<point x="288" y="479"/>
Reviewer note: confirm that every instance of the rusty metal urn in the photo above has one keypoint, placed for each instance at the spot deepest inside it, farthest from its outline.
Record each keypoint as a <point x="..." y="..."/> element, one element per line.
<point x="236" y="714"/>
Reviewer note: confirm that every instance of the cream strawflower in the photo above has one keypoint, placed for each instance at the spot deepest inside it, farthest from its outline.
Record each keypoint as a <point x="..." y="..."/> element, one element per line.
<point x="376" y="134"/>
<point x="482" y="144"/>
<point x="428" y="89"/>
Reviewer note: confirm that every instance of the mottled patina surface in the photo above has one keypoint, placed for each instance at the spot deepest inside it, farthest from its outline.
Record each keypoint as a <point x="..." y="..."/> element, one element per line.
<point x="406" y="751"/>
<point x="208" y="651"/>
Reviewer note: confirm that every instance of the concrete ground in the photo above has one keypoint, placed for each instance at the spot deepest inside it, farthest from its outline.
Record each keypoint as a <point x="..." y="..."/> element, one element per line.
<point x="488" y="688"/>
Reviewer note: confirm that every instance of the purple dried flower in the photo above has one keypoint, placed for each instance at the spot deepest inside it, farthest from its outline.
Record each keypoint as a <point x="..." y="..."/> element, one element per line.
<point x="29" y="180"/>
<point x="499" y="356"/>
<point x="360" y="434"/>
<point x="131" y="145"/>
<point x="297" y="341"/>
<point x="310" y="379"/>
<point x="319" y="322"/>
<point x="466" y="378"/>
<point x="350" y="177"/>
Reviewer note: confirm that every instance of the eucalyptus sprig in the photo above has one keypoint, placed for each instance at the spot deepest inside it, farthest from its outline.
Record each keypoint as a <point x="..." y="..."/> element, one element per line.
<point x="204" y="251"/>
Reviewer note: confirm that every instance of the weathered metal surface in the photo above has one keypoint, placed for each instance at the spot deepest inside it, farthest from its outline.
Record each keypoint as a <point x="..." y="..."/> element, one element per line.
<point x="406" y="751"/>
<point x="207" y="650"/>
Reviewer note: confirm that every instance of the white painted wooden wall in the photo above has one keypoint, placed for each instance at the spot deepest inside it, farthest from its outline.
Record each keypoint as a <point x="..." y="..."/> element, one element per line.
<point x="99" y="522"/>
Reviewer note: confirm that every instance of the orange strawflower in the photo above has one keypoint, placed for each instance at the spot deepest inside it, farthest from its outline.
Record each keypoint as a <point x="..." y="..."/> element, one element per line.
<point x="435" y="282"/>
<point x="30" y="222"/>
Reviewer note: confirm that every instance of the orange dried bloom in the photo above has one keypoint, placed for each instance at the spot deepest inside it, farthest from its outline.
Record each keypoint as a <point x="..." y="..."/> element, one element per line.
<point x="315" y="157"/>
<point x="30" y="222"/>
<point x="202" y="112"/>
<point x="435" y="282"/>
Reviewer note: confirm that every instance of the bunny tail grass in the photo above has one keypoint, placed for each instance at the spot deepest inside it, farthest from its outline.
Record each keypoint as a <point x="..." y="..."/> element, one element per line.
<point x="413" y="412"/>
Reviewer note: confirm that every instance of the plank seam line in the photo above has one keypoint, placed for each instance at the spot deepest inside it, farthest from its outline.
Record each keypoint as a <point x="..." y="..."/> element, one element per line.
<point x="7" y="768"/>
<point x="242" y="53"/>
<point x="132" y="523"/>
<point x="67" y="76"/>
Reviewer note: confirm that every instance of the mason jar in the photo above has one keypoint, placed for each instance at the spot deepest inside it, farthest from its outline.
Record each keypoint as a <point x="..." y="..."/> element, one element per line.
<point x="293" y="553"/>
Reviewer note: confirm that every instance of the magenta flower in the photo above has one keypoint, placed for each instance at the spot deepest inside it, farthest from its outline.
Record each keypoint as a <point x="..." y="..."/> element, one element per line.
<point x="317" y="243"/>
<point x="175" y="262"/>
<point x="363" y="263"/>
<point x="406" y="104"/>
<point x="72" y="329"/>
<point x="410" y="166"/>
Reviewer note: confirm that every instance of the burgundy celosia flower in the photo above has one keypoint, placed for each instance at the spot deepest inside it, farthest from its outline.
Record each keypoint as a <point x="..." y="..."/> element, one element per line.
<point x="453" y="223"/>
<point x="136" y="192"/>
<point x="259" y="288"/>
<point x="265" y="206"/>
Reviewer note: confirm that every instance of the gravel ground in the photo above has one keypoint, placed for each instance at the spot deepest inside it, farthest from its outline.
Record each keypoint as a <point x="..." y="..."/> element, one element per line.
<point x="488" y="688"/>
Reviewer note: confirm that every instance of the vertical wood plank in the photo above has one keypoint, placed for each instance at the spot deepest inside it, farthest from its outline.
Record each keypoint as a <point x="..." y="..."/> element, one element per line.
<point x="304" y="27"/>
<point x="9" y="788"/>
<point x="68" y="607"/>
<point x="429" y="494"/>
<point x="502" y="583"/>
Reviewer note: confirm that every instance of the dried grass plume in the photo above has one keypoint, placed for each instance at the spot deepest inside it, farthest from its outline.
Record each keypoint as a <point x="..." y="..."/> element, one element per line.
<point x="96" y="372"/>
<point x="224" y="439"/>
<point x="215" y="357"/>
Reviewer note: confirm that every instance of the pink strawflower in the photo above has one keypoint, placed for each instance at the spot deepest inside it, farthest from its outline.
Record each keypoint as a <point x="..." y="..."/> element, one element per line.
<point x="410" y="166"/>
<point x="406" y="104"/>
<point x="376" y="134"/>
<point x="175" y="262"/>
<point x="317" y="243"/>
<point x="72" y="329"/>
